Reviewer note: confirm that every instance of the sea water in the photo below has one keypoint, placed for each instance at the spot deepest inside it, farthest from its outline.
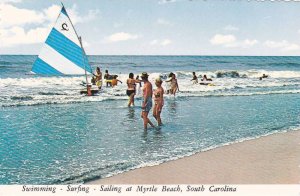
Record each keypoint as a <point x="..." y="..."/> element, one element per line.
<point x="50" y="134"/>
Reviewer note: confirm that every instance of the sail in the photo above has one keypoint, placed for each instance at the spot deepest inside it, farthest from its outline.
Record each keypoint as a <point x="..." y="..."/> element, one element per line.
<point x="62" y="53"/>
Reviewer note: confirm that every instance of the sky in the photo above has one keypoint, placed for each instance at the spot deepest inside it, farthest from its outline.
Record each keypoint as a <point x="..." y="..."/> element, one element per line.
<point x="158" y="27"/>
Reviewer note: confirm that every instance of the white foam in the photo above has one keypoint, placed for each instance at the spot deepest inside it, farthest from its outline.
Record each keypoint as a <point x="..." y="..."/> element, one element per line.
<point x="54" y="90"/>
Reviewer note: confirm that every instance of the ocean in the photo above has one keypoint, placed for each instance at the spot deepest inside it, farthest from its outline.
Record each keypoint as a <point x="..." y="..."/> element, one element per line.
<point x="50" y="134"/>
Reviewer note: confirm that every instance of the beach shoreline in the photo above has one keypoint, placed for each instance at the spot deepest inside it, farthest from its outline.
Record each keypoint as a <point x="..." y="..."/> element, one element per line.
<point x="271" y="159"/>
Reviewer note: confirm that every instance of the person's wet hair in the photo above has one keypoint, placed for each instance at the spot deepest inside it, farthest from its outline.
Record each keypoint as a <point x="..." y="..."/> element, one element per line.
<point x="131" y="75"/>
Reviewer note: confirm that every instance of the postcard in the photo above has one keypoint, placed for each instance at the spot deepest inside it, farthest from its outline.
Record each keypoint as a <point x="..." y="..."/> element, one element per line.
<point x="146" y="97"/>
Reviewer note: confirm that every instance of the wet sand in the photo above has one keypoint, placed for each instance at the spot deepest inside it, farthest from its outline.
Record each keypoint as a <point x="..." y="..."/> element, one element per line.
<point x="273" y="159"/>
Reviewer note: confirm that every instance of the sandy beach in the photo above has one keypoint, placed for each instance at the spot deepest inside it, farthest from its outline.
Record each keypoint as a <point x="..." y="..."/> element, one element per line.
<point x="272" y="159"/>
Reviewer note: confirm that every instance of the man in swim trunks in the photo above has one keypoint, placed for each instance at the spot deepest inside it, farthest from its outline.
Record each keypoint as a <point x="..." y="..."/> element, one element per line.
<point x="108" y="78"/>
<point x="146" y="100"/>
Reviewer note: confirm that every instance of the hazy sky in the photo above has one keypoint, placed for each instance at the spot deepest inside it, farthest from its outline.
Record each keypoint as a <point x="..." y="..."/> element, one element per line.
<point x="157" y="27"/>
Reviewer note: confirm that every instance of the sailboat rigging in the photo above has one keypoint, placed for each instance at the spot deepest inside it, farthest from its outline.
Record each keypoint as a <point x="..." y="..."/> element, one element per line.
<point x="63" y="53"/>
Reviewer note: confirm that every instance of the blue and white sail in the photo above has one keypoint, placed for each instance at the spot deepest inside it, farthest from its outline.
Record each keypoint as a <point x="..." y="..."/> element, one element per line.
<point x="62" y="53"/>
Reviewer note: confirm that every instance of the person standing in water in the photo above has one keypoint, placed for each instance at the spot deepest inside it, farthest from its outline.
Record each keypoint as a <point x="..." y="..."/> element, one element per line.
<point x="131" y="88"/>
<point x="174" y="85"/>
<point x="195" y="78"/>
<point x="114" y="81"/>
<point x="107" y="78"/>
<point x="158" y="96"/>
<point x="98" y="78"/>
<point x="168" y="83"/>
<point x="146" y="100"/>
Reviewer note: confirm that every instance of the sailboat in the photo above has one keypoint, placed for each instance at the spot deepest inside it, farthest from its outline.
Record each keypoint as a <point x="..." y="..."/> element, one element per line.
<point x="63" y="53"/>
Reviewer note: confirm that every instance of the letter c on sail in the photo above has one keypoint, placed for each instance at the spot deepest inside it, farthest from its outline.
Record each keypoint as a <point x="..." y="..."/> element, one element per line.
<point x="64" y="27"/>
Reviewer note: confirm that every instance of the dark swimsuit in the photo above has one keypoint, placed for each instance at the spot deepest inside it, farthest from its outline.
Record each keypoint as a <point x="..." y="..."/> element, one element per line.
<point x="129" y="92"/>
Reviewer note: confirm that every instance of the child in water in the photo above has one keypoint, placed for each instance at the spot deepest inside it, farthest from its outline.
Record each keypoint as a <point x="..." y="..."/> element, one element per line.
<point x="158" y="96"/>
<point x="114" y="81"/>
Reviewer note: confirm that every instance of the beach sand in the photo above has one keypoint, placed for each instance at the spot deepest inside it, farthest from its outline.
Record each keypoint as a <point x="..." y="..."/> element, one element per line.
<point x="273" y="159"/>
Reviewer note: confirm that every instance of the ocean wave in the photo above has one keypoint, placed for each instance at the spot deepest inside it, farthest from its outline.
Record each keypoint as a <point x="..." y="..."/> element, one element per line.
<point x="15" y="101"/>
<point x="230" y="74"/>
<point x="285" y="64"/>
<point x="240" y="74"/>
<point x="63" y="90"/>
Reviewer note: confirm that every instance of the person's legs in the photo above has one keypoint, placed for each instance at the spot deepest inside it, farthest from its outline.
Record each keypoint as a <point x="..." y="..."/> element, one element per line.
<point x="132" y="98"/>
<point x="146" y="120"/>
<point x="158" y="118"/>
<point x="155" y="111"/>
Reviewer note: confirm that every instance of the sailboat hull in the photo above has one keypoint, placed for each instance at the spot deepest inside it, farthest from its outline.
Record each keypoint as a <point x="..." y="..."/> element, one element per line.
<point x="93" y="91"/>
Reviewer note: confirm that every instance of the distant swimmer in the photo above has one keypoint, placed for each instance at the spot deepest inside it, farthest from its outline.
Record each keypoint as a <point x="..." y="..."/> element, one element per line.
<point x="138" y="79"/>
<point x="195" y="78"/>
<point x="168" y="83"/>
<point x="205" y="80"/>
<point x="263" y="76"/>
<point x="158" y="96"/>
<point x="114" y="81"/>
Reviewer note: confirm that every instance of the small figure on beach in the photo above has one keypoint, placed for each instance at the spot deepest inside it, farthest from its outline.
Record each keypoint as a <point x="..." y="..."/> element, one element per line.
<point x="263" y="76"/>
<point x="195" y="78"/>
<point x="174" y="85"/>
<point x="168" y="83"/>
<point x="158" y="96"/>
<point x="131" y="88"/>
<point x="107" y="78"/>
<point x="114" y="81"/>
<point x="146" y="100"/>
<point x="98" y="77"/>
<point x="205" y="80"/>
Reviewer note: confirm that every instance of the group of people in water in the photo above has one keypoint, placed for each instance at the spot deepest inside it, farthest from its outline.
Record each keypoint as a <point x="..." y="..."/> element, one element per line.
<point x="204" y="80"/>
<point x="149" y="95"/>
<point x="111" y="80"/>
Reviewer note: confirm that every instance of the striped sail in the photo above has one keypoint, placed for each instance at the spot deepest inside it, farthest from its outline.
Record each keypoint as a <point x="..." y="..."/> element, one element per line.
<point x="62" y="53"/>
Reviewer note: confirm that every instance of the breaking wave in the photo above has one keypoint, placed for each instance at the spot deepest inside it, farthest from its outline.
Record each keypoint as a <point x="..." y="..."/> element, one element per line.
<point x="63" y="90"/>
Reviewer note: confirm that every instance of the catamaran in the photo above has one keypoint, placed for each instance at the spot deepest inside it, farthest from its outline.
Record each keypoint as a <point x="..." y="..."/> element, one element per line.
<point x="63" y="53"/>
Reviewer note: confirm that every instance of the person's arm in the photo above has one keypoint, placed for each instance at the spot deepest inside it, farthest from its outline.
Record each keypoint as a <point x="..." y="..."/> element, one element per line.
<point x="177" y="85"/>
<point x="120" y="81"/>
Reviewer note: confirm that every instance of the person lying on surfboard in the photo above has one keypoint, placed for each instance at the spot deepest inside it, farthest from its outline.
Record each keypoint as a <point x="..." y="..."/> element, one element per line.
<point x="205" y="80"/>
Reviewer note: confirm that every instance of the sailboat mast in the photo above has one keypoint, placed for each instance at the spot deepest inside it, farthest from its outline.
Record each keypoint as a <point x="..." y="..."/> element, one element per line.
<point x="83" y="51"/>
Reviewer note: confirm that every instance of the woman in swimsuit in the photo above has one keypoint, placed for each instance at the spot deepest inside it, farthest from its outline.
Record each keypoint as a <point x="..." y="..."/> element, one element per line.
<point x="174" y="85"/>
<point x="131" y="89"/>
<point x="158" y="96"/>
